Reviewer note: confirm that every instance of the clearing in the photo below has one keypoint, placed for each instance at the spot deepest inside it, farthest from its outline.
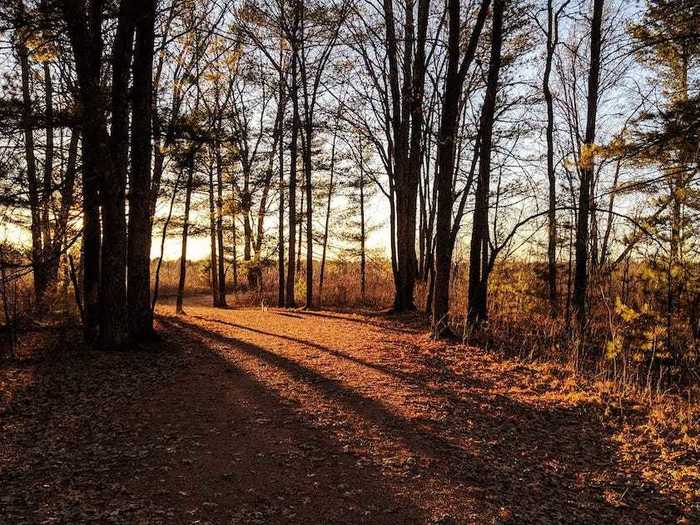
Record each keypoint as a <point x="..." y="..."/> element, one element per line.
<point x="279" y="416"/>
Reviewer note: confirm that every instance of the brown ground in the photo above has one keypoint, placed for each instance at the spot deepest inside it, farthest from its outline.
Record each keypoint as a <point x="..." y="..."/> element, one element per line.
<point x="252" y="416"/>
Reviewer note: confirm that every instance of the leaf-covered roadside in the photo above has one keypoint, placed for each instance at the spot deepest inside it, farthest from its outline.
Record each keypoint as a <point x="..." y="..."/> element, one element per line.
<point x="249" y="416"/>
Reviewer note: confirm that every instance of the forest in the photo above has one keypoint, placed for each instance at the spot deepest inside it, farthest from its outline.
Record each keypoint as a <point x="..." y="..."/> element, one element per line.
<point x="349" y="261"/>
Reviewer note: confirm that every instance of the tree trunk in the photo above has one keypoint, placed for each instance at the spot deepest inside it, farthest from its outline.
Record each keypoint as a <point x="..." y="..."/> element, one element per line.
<point x="38" y="266"/>
<point x="446" y="154"/>
<point x="363" y="233"/>
<point x="479" y="256"/>
<point x="185" y="230"/>
<point x="51" y="258"/>
<point x="220" y="268"/>
<point x="140" y="191"/>
<point x="300" y="236"/>
<point x="234" y="242"/>
<point x="113" y="296"/>
<point x="84" y="31"/>
<point x="67" y="193"/>
<point x="401" y="235"/>
<point x="293" y="153"/>
<point x="280" y="218"/>
<point x="328" y="216"/>
<point x="163" y="238"/>
<point x="587" y="169"/>
<point x="309" y="215"/>
<point x="454" y="81"/>
<point x="552" y="41"/>
<point x="91" y="240"/>
<point x="212" y="238"/>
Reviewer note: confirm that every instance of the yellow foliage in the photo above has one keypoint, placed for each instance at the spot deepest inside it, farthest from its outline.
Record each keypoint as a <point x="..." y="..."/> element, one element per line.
<point x="213" y="75"/>
<point x="41" y="51"/>
<point x="613" y="347"/>
<point x="625" y="312"/>
<point x="588" y="154"/>
<point x="232" y="58"/>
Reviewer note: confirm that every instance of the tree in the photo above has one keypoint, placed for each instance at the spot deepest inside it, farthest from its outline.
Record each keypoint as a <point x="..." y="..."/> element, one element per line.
<point x="456" y="74"/>
<point x="139" y="229"/>
<point x="479" y="262"/>
<point x="666" y="136"/>
<point x="104" y="168"/>
<point x="587" y="160"/>
<point x="398" y="80"/>
<point x="552" y="34"/>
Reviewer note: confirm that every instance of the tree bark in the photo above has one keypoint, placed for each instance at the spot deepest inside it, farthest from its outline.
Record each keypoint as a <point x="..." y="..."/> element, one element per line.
<point x="214" y="275"/>
<point x="185" y="231"/>
<point x="220" y="268"/>
<point x="290" y="301"/>
<point x="50" y="257"/>
<point x="446" y="158"/>
<point x="156" y="285"/>
<point x="328" y="216"/>
<point x="587" y="169"/>
<point x="478" y="257"/>
<point x="38" y="266"/>
<point x="363" y="232"/>
<point x="140" y="191"/>
<point x="84" y="31"/>
<point x="309" y="216"/>
<point x="280" y="218"/>
<point x="552" y="41"/>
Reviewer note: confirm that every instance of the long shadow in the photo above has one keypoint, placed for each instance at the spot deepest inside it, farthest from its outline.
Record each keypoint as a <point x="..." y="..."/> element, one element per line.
<point x="372" y="410"/>
<point x="287" y="314"/>
<point x="396" y="321"/>
<point x="99" y="434"/>
<point x="537" y="461"/>
<point x="176" y="436"/>
<point x="412" y="379"/>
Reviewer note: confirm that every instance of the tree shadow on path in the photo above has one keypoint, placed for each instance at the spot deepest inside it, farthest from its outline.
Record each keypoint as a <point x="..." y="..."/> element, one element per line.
<point x="489" y="452"/>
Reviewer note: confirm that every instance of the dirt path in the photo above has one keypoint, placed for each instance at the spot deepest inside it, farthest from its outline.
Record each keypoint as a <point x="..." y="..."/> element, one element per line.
<point x="251" y="416"/>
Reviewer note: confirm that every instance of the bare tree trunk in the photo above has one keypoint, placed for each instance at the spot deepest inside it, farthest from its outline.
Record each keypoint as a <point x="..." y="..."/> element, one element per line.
<point x="84" y="30"/>
<point x="569" y="274"/>
<point x="113" y="295"/>
<point x="278" y="130"/>
<point x="309" y="216"/>
<point x="363" y="233"/>
<point x="67" y="193"/>
<point x="247" y="230"/>
<point x="446" y="161"/>
<point x="91" y="240"/>
<point x="235" y="252"/>
<point x="51" y="259"/>
<point x="605" y="250"/>
<point x="454" y="81"/>
<point x="38" y="266"/>
<point x="156" y="285"/>
<point x="328" y="216"/>
<point x="403" y="189"/>
<point x="552" y="41"/>
<point x="280" y="218"/>
<point x="140" y="191"/>
<point x="221" y="280"/>
<point x="185" y="230"/>
<point x="587" y="169"/>
<point x="479" y="256"/>
<point x="293" y="153"/>
<point x="300" y="236"/>
<point x="212" y="238"/>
